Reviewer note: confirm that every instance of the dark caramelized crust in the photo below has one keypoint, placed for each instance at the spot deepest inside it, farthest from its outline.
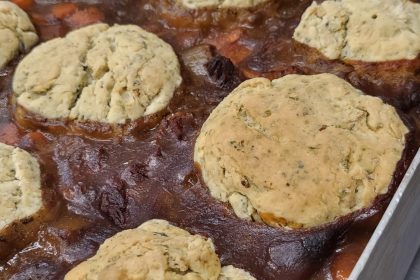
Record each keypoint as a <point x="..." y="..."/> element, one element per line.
<point x="31" y="121"/>
<point x="99" y="187"/>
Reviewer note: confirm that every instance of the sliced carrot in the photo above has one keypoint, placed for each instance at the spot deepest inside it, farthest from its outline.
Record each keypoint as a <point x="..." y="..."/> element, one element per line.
<point x="63" y="10"/>
<point x="39" y="19"/>
<point x="235" y="52"/>
<point x="85" y="17"/>
<point x="38" y="138"/>
<point x="228" y="45"/>
<point x="232" y="36"/>
<point x="250" y="74"/>
<point x="24" y="4"/>
<point x="225" y="38"/>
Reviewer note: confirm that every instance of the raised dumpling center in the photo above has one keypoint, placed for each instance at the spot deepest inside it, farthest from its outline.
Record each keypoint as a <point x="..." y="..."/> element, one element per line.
<point x="299" y="151"/>
<point x="98" y="73"/>
<point x="156" y="250"/>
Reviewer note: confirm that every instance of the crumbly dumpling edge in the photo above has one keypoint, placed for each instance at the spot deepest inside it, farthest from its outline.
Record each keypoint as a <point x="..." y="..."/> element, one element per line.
<point x="371" y="31"/>
<point x="17" y="33"/>
<point x="20" y="185"/>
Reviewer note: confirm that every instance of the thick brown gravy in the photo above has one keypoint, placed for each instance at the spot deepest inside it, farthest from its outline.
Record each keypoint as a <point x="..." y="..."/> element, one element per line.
<point x="95" y="187"/>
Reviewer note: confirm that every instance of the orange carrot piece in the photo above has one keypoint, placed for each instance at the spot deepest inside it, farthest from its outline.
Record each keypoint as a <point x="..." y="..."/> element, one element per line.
<point x="235" y="52"/>
<point x="85" y="17"/>
<point x="224" y="39"/>
<point x="38" y="138"/>
<point x="24" y="4"/>
<point x="63" y="10"/>
<point x="38" y="19"/>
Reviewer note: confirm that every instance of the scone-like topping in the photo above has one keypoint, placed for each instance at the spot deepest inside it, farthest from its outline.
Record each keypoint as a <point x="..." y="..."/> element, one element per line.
<point x="232" y="273"/>
<point x="299" y="151"/>
<point x="155" y="250"/>
<point x="17" y="34"/>
<point x="98" y="73"/>
<point x="20" y="185"/>
<point x="374" y="30"/>
<point x="196" y="4"/>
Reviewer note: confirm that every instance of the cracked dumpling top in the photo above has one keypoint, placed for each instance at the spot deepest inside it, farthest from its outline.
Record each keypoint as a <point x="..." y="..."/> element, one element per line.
<point x="17" y="34"/>
<point x="372" y="31"/>
<point x="98" y="73"/>
<point x="299" y="151"/>
<point x="196" y="4"/>
<point x="20" y="185"/>
<point x="155" y="250"/>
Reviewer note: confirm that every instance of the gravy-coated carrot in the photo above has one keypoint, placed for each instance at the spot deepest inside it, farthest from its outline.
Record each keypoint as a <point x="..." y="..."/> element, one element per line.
<point x="63" y="10"/>
<point x="85" y="17"/>
<point x="24" y="4"/>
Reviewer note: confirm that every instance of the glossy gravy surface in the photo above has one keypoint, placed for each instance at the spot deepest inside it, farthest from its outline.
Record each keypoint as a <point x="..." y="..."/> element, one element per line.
<point x="95" y="186"/>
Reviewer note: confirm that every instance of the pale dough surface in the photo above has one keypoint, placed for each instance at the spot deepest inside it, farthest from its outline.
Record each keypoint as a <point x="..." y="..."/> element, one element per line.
<point x="155" y="250"/>
<point x="365" y="30"/>
<point x="20" y="185"/>
<point x="98" y="73"/>
<point x="232" y="273"/>
<point x="17" y="34"/>
<point x="299" y="151"/>
<point x="196" y="4"/>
